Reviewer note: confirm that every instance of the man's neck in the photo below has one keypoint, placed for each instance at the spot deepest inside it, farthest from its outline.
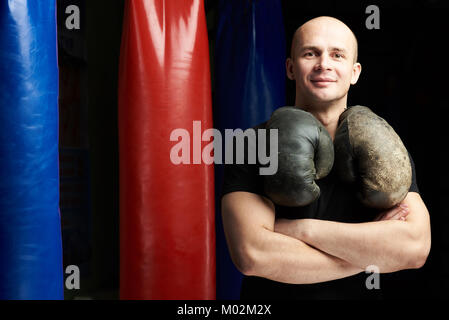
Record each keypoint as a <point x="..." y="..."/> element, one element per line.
<point x="327" y="114"/>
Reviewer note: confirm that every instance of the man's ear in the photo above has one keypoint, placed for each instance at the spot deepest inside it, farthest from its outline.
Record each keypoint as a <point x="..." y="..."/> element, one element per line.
<point x="356" y="70"/>
<point x="289" y="68"/>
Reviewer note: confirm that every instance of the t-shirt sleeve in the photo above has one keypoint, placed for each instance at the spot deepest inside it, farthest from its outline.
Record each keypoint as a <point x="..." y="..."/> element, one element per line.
<point x="414" y="185"/>
<point x="242" y="177"/>
<point x="245" y="176"/>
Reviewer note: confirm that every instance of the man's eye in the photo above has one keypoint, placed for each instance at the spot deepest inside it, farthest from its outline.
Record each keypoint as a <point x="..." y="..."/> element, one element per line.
<point x="308" y="54"/>
<point x="338" y="55"/>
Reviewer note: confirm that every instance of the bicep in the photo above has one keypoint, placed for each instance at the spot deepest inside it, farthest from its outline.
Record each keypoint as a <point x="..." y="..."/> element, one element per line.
<point x="245" y="217"/>
<point x="247" y="211"/>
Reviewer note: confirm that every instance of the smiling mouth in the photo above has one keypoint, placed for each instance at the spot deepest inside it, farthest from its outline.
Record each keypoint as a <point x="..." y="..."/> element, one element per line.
<point x="322" y="80"/>
<point x="322" y="83"/>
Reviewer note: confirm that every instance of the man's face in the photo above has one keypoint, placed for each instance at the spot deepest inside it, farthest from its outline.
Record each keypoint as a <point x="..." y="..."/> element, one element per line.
<point x="323" y="61"/>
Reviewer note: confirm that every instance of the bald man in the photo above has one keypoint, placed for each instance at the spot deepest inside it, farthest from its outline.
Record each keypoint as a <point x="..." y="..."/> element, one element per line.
<point x="319" y="251"/>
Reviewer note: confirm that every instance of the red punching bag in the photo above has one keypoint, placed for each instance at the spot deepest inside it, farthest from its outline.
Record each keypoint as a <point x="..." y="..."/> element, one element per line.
<point x="167" y="235"/>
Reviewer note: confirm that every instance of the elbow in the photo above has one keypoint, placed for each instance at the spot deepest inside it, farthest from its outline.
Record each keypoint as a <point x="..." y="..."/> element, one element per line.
<point x="419" y="255"/>
<point x="244" y="261"/>
<point x="246" y="269"/>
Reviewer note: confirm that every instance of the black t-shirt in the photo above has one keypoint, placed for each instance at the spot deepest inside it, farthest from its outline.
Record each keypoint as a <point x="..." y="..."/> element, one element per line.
<point x="337" y="202"/>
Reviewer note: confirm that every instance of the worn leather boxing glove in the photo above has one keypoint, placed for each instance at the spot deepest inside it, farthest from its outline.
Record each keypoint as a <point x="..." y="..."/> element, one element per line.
<point x="305" y="154"/>
<point x="368" y="152"/>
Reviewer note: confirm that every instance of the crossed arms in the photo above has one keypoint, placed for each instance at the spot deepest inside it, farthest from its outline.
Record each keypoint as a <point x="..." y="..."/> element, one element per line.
<point x="310" y="251"/>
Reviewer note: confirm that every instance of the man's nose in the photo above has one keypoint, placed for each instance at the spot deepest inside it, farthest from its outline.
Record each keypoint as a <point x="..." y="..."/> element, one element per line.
<point x="323" y="63"/>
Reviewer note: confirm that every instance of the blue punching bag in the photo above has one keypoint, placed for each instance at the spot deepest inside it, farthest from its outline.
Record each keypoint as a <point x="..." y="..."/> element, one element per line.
<point x="249" y="86"/>
<point x="30" y="230"/>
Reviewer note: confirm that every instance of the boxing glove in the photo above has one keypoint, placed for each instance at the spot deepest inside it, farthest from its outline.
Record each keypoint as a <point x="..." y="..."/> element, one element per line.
<point x="369" y="153"/>
<point x="305" y="154"/>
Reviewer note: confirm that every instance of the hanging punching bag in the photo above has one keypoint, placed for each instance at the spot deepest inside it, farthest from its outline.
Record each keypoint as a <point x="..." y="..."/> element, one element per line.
<point x="30" y="231"/>
<point x="249" y="86"/>
<point x="167" y="236"/>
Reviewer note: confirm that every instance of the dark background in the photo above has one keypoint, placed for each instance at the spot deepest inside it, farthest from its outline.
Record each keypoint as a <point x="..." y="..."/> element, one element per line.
<point x="404" y="80"/>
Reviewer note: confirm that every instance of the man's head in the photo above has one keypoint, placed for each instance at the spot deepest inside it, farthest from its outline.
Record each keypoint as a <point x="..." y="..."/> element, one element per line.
<point x="323" y="61"/>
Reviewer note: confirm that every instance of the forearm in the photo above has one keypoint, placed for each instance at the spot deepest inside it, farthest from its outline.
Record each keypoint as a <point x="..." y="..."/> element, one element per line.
<point x="387" y="244"/>
<point x="282" y="258"/>
<point x="257" y="250"/>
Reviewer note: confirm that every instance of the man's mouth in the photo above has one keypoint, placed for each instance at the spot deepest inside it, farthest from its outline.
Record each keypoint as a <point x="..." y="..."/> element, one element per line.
<point x="322" y="82"/>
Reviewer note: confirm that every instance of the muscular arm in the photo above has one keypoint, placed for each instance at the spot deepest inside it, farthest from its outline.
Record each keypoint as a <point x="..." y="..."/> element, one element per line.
<point x="257" y="250"/>
<point x="391" y="245"/>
